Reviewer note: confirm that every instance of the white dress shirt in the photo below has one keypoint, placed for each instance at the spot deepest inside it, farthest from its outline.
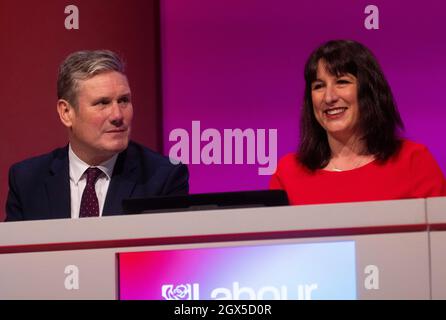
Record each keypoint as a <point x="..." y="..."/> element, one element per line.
<point x="78" y="180"/>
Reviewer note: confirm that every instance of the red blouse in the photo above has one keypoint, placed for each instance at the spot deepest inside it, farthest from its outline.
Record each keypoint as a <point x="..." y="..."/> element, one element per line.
<point x="411" y="173"/>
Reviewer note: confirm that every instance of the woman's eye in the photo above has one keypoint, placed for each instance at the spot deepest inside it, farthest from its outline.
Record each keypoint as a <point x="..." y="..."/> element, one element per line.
<point x="343" y="81"/>
<point x="317" y="86"/>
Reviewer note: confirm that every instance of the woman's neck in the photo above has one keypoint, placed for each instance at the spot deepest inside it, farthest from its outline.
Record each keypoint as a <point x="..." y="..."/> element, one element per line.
<point x="347" y="154"/>
<point x="346" y="147"/>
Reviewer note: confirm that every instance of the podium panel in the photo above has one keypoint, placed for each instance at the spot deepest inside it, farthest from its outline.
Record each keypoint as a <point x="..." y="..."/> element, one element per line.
<point x="81" y="274"/>
<point x="387" y="266"/>
<point x="436" y="215"/>
<point x="78" y="259"/>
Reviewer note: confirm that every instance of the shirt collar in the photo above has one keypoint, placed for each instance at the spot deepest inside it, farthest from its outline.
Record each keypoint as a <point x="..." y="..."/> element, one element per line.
<point x="78" y="167"/>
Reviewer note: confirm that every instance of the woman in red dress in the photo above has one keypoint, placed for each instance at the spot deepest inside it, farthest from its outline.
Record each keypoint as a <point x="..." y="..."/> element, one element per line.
<point x="350" y="148"/>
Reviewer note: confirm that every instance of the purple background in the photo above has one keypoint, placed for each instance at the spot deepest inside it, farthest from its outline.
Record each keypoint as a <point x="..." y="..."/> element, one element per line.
<point x="239" y="64"/>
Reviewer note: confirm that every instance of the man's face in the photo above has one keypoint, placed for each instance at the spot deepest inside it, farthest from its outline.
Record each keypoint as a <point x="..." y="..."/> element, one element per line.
<point x="100" y="125"/>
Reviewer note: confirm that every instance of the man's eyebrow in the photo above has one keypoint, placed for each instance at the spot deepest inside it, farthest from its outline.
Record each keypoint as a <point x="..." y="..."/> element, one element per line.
<point x="101" y="98"/>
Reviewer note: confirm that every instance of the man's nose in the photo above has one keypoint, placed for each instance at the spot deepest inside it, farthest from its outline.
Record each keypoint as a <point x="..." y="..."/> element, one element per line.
<point x="116" y="116"/>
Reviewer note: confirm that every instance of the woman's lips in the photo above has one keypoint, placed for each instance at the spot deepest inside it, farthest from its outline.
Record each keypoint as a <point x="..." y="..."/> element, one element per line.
<point x="334" y="113"/>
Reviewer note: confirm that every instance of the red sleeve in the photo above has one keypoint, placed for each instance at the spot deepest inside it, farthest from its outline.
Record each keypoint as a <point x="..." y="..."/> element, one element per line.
<point x="282" y="167"/>
<point x="429" y="179"/>
<point x="275" y="182"/>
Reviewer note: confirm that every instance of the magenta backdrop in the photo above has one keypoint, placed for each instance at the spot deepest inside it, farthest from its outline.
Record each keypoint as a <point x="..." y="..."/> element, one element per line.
<point x="239" y="64"/>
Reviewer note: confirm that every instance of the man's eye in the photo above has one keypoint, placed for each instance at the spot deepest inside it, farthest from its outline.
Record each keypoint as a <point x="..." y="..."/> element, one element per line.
<point x="124" y="100"/>
<point x="102" y="102"/>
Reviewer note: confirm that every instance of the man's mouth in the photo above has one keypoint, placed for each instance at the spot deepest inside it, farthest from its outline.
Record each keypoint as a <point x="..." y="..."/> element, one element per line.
<point x="117" y="130"/>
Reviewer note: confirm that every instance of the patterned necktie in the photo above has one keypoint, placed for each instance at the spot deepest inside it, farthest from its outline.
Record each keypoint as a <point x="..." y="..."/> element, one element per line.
<point x="89" y="202"/>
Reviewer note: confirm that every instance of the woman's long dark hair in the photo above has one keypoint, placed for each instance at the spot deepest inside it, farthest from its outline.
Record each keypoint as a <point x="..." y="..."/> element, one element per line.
<point x="379" y="119"/>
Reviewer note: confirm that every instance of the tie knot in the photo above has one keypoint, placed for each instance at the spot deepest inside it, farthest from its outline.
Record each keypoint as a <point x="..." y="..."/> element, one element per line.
<point x="92" y="175"/>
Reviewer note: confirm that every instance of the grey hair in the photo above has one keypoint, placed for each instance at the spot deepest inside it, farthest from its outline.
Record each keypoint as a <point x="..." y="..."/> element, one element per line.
<point x="83" y="65"/>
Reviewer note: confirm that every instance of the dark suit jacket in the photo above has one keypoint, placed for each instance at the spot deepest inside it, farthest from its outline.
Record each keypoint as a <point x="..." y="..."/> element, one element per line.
<point x="39" y="188"/>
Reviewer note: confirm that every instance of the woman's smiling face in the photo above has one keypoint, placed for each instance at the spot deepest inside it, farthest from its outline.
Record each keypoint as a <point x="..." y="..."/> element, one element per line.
<point x="335" y="102"/>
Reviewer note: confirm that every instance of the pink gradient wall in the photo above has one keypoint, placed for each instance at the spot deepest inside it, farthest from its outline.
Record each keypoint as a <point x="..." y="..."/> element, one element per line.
<point x="239" y="64"/>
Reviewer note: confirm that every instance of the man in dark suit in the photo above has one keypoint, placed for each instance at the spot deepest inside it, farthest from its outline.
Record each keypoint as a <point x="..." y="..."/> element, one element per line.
<point x="100" y="166"/>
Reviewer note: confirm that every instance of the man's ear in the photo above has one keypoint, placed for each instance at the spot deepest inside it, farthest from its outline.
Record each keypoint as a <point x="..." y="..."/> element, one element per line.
<point x="66" y="112"/>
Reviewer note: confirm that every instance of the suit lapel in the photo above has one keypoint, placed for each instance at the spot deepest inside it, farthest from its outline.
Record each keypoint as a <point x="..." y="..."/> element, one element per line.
<point x="58" y="186"/>
<point x="122" y="183"/>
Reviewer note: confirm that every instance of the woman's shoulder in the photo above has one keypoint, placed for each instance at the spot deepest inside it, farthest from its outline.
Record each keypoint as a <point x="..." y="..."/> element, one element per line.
<point x="411" y="148"/>
<point x="412" y="145"/>
<point x="415" y="154"/>
<point x="290" y="159"/>
<point x="290" y="162"/>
